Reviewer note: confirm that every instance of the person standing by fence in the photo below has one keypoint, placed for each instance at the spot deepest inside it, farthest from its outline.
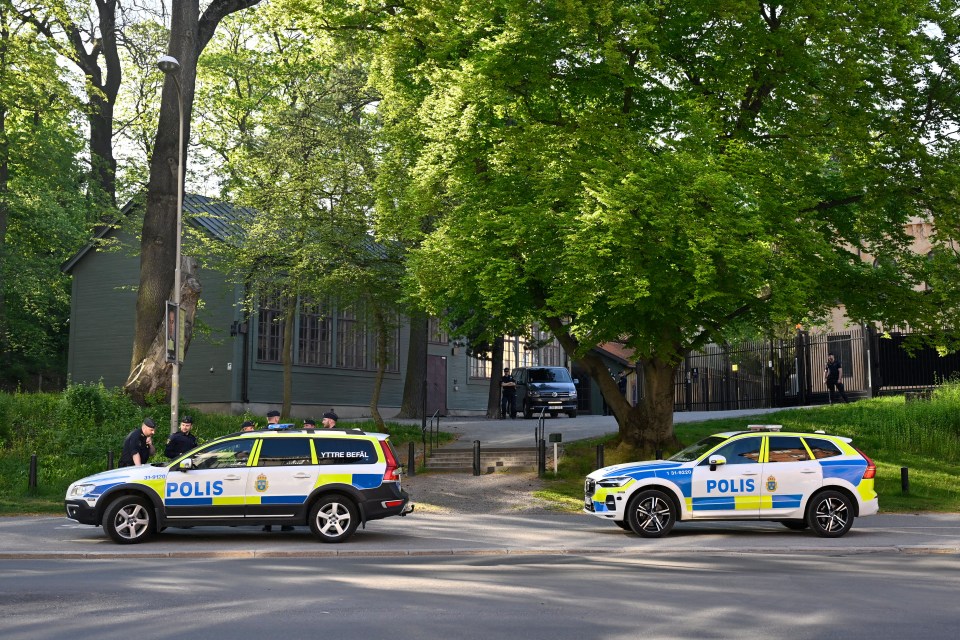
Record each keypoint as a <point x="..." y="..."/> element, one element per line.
<point x="832" y="374"/>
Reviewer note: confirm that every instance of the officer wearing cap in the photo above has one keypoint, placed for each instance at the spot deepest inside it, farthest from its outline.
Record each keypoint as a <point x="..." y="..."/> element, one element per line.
<point x="138" y="445"/>
<point x="309" y="424"/>
<point x="329" y="420"/>
<point x="248" y="425"/>
<point x="273" y="418"/>
<point x="181" y="441"/>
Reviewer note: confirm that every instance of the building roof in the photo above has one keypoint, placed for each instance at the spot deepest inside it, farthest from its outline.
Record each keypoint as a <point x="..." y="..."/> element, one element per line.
<point x="618" y="352"/>
<point x="219" y="219"/>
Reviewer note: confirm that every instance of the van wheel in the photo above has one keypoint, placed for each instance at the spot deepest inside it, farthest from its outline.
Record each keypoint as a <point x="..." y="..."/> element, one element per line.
<point x="334" y="518"/>
<point x="527" y="411"/>
<point x="651" y="514"/>
<point x="128" y="520"/>
<point x="829" y="514"/>
<point x="572" y="414"/>
<point x="554" y="414"/>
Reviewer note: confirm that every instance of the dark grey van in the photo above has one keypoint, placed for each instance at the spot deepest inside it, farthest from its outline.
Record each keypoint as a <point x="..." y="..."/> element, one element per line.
<point x="549" y="388"/>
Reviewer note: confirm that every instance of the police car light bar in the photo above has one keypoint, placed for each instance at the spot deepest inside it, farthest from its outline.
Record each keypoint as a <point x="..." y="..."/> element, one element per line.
<point x="765" y="427"/>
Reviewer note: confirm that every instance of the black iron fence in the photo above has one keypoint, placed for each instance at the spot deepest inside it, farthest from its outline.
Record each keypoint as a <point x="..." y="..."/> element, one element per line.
<point x="783" y="373"/>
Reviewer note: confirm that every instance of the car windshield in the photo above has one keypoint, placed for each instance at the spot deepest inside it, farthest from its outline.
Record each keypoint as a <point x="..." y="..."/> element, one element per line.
<point x="696" y="450"/>
<point x="549" y="375"/>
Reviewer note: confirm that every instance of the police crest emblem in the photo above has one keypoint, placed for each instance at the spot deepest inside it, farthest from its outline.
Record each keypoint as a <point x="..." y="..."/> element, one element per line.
<point x="771" y="484"/>
<point x="262" y="483"/>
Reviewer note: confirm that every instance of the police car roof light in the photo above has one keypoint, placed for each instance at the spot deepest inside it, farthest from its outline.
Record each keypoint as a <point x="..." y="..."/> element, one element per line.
<point x="765" y="427"/>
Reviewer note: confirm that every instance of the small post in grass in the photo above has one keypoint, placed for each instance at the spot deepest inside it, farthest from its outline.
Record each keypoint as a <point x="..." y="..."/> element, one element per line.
<point x="904" y="480"/>
<point x="600" y="456"/>
<point x="32" y="476"/>
<point x="412" y="457"/>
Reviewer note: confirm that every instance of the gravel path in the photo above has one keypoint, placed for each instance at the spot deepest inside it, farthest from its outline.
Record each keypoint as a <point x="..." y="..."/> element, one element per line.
<point x="466" y="493"/>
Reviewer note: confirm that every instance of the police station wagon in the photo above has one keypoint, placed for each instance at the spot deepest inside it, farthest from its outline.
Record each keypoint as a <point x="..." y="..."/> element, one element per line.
<point x="330" y="480"/>
<point x="803" y="480"/>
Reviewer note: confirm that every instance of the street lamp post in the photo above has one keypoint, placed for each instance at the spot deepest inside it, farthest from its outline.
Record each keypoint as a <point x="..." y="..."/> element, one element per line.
<point x="170" y="66"/>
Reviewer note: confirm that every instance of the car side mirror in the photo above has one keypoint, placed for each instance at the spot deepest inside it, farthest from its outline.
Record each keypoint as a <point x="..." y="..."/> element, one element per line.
<point x="715" y="461"/>
<point x="186" y="464"/>
<point x="576" y="381"/>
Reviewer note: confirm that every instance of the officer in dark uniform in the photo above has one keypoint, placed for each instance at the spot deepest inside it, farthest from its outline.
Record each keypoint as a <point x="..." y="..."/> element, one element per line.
<point x="309" y="424"/>
<point x="181" y="441"/>
<point x="138" y="445"/>
<point x="508" y="395"/>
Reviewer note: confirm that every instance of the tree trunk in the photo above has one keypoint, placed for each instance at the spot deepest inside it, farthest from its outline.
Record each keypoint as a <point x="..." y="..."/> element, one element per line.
<point x="411" y="406"/>
<point x="649" y="425"/>
<point x="286" y="357"/>
<point x="189" y="34"/>
<point x="380" y="326"/>
<point x="152" y="375"/>
<point x="496" y="375"/>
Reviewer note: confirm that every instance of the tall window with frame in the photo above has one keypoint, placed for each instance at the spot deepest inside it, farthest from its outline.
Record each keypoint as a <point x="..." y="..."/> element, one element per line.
<point x="436" y="334"/>
<point x="480" y="367"/>
<point x="316" y="339"/>
<point x="352" y="339"/>
<point x="269" y="328"/>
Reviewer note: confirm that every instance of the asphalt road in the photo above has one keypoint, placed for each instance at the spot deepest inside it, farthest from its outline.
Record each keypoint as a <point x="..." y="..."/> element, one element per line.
<point x="437" y="534"/>
<point x="549" y="597"/>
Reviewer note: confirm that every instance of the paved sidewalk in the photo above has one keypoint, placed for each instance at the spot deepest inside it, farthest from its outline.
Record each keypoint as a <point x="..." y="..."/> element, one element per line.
<point x="520" y="432"/>
<point x="431" y="534"/>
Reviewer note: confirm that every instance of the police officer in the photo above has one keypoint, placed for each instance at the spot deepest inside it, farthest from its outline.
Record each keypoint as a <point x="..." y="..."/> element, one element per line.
<point x="138" y="445"/>
<point x="508" y="395"/>
<point x="329" y="420"/>
<point x="181" y="441"/>
<point x="248" y="425"/>
<point x="309" y="424"/>
<point x="273" y="419"/>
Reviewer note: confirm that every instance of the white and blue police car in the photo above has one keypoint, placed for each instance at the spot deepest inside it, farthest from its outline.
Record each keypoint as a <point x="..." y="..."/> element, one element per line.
<point x="803" y="480"/>
<point x="331" y="480"/>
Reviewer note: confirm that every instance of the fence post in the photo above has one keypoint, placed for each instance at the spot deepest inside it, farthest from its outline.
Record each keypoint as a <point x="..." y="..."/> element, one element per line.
<point x="904" y="480"/>
<point x="541" y="458"/>
<point x="32" y="477"/>
<point x="476" y="457"/>
<point x="412" y="457"/>
<point x="600" y="464"/>
<point x="109" y="459"/>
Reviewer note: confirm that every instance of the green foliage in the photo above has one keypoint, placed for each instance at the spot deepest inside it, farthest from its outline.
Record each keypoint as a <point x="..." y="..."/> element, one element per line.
<point x="922" y="436"/>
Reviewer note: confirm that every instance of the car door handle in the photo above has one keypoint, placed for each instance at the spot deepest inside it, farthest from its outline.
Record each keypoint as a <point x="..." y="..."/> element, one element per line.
<point x="301" y="476"/>
<point x="231" y="477"/>
<point x="750" y="473"/>
<point x="808" y="470"/>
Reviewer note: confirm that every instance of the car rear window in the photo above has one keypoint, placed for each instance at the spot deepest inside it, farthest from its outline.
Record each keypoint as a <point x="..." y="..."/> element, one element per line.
<point x="284" y="452"/>
<point x="344" y="451"/>
<point x="786" y="449"/>
<point x="823" y="448"/>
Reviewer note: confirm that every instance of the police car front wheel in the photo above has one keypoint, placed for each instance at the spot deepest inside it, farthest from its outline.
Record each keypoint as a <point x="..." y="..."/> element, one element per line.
<point x="128" y="520"/>
<point x="651" y="514"/>
<point x="334" y="518"/>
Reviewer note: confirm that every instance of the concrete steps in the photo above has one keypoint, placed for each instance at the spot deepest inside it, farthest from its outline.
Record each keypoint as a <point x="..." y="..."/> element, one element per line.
<point x="491" y="460"/>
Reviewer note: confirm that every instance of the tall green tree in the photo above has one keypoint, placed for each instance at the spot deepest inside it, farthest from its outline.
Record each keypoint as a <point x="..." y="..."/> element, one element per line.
<point x="657" y="172"/>
<point x="42" y="207"/>
<point x="190" y="32"/>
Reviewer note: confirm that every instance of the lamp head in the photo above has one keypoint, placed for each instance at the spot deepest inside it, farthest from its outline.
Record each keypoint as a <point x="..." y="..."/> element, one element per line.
<point x="168" y="64"/>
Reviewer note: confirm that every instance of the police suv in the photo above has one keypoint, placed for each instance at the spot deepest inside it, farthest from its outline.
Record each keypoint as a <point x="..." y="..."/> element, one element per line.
<point x="802" y="480"/>
<point x="330" y="480"/>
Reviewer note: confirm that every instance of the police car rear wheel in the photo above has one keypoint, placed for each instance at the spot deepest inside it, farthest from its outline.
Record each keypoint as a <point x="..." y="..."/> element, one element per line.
<point x="128" y="520"/>
<point x="651" y="514"/>
<point x="334" y="518"/>
<point x="830" y="514"/>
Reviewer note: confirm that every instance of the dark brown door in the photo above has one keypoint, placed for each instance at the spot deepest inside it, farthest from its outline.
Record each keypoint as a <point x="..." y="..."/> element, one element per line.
<point x="436" y="385"/>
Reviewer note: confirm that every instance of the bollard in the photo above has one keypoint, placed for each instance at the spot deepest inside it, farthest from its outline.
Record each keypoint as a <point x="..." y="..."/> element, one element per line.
<point x="659" y="453"/>
<point x="600" y="464"/>
<point x="476" y="457"/>
<point x="32" y="478"/>
<point x="542" y="458"/>
<point x="109" y="459"/>
<point x="904" y="480"/>
<point x="412" y="456"/>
